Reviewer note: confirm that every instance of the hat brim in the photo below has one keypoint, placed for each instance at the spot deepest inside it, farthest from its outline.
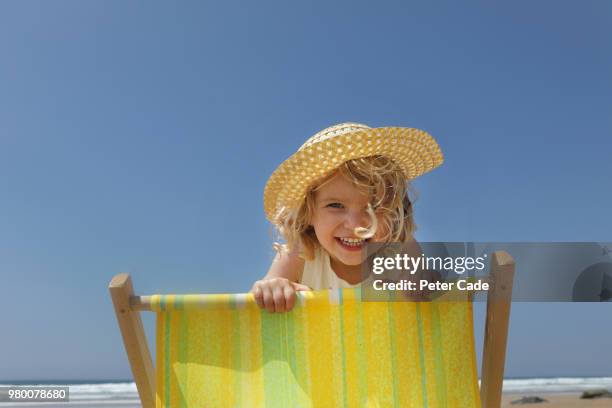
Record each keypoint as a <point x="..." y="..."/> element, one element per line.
<point x="414" y="150"/>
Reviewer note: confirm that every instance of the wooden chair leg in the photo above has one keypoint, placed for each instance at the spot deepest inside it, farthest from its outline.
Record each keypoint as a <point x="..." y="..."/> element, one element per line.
<point x="134" y="338"/>
<point x="499" y="299"/>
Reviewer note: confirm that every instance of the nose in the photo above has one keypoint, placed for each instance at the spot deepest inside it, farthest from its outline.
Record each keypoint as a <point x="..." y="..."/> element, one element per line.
<point x="356" y="218"/>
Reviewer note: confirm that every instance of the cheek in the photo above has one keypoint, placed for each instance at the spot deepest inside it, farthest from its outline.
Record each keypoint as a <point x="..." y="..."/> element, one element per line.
<point x="382" y="229"/>
<point x="325" y="224"/>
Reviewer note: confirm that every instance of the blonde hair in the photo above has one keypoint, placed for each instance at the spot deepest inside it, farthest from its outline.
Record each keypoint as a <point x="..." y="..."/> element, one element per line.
<point x="377" y="176"/>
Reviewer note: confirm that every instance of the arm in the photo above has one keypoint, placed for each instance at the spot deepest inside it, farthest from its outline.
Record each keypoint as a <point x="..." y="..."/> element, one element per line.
<point x="286" y="265"/>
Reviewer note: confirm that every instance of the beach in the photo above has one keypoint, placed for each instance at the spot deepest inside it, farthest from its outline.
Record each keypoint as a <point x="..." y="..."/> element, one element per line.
<point x="559" y="392"/>
<point x="76" y="404"/>
<point x="556" y="400"/>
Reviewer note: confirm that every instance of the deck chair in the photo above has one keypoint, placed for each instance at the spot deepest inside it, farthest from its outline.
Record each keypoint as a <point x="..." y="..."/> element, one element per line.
<point x="331" y="350"/>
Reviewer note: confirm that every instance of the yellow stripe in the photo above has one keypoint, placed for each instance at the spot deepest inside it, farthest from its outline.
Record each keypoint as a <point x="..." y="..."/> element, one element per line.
<point x="302" y="396"/>
<point x="459" y="352"/>
<point x="335" y="363"/>
<point x="352" y="347"/>
<point x="407" y="359"/>
<point x="471" y="354"/>
<point x="170" y="302"/>
<point x="218" y="358"/>
<point x="196" y="380"/>
<point x="319" y="344"/>
<point x="160" y="373"/>
<point x="252" y="380"/>
<point x="174" y="366"/>
<point x="190" y="301"/>
<point x="378" y="359"/>
<point x="155" y="303"/>
<point x="448" y="314"/>
<point x="429" y="356"/>
<point x="227" y="373"/>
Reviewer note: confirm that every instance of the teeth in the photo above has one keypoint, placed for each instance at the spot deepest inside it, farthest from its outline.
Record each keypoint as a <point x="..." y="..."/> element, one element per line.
<point x="352" y="241"/>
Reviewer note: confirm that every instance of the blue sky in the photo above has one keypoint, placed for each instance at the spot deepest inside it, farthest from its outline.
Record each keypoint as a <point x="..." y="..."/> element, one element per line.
<point x="138" y="136"/>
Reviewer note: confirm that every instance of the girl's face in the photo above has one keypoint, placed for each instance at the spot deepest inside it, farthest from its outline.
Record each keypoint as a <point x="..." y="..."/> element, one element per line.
<point x="339" y="209"/>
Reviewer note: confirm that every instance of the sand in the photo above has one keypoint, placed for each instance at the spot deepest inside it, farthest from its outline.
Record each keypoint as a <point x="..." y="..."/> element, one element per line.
<point x="557" y="400"/>
<point x="560" y="400"/>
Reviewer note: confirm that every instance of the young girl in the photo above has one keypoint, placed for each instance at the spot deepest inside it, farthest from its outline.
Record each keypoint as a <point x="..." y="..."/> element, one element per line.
<point x="347" y="185"/>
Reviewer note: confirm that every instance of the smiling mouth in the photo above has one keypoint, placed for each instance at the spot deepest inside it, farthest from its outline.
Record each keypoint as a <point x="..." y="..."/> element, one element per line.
<point x="351" y="244"/>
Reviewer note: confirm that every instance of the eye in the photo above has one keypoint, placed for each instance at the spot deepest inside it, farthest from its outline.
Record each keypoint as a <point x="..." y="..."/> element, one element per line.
<point x="334" y="205"/>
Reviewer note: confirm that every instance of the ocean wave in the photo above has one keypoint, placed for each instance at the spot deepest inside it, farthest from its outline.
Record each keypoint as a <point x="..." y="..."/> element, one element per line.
<point x="95" y="391"/>
<point x="558" y="384"/>
<point x="127" y="390"/>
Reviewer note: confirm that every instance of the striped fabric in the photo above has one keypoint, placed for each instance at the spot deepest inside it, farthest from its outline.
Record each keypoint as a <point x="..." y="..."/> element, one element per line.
<point x="331" y="350"/>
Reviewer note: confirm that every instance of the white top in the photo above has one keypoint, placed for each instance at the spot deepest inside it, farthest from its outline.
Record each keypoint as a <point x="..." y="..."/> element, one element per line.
<point x="318" y="273"/>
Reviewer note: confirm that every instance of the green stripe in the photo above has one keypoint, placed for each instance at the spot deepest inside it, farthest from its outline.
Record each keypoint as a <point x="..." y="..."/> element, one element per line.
<point x="437" y="344"/>
<point x="292" y="361"/>
<point x="300" y="362"/>
<point x="393" y="354"/>
<point x="179" y="302"/>
<point x="162" y="303"/>
<point x="271" y="342"/>
<point x="421" y="353"/>
<point x="167" y="362"/>
<point x="182" y="356"/>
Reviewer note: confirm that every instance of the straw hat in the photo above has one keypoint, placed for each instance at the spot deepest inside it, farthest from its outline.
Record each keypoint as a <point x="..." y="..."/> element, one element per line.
<point x="414" y="150"/>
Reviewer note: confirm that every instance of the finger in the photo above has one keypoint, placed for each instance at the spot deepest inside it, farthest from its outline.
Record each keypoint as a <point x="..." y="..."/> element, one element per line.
<point x="268" y="299"/>
<point x="258" y="295"/>
<point x="289" y="297"/>
<point x="299" y="286"/>
<point x="279" y="299"/>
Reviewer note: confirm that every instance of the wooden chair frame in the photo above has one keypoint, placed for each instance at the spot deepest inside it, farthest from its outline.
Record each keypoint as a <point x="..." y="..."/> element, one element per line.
<point x="128" y="307"/>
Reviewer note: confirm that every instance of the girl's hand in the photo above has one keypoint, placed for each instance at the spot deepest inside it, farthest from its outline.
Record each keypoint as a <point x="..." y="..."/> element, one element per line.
<point x="276" y="294"/>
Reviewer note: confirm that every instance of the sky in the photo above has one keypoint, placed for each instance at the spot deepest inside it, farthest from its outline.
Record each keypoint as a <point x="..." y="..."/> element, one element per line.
<point x="138" y="137"/>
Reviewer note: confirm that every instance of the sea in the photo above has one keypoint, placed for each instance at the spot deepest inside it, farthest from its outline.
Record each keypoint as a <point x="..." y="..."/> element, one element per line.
<point x="123" y="393"/>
